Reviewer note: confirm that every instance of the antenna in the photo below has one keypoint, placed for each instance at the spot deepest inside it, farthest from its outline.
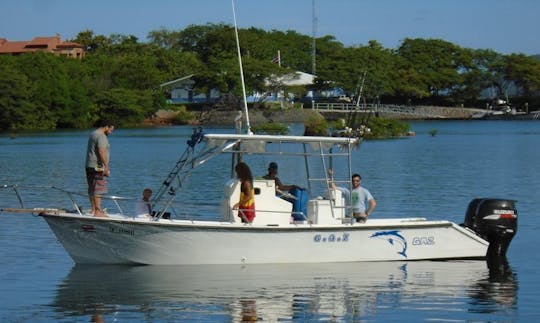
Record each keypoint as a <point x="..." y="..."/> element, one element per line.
<point x="313" y="42"/>
<point x="361" y="88"/>
<point x="244" y="96"/>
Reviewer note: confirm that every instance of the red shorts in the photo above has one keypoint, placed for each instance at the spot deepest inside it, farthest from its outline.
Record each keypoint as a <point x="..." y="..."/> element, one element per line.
<point x="97" y="182"/>
<point x="247" y="213"/>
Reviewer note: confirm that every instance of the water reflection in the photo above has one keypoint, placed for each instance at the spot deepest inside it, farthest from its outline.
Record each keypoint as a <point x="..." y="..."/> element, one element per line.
<point x="498" y="290"/>
<point x="284" y="292"/>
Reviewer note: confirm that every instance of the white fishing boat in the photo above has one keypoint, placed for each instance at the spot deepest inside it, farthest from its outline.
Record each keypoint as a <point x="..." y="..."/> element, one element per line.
<point x="316" y="228"/>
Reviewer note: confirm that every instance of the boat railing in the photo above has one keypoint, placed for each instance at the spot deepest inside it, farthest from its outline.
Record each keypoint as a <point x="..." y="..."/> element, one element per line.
<point x="45" y="195"/>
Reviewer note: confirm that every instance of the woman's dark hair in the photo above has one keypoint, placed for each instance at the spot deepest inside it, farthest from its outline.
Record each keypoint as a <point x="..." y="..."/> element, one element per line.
<point x="243" y="171"/>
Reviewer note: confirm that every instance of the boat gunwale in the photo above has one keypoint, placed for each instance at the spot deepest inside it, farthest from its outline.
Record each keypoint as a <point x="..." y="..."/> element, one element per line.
<point x="404" y="223"/>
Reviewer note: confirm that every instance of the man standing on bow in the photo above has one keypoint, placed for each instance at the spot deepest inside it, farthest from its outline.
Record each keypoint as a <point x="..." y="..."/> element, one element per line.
<point x="97" y="165"/>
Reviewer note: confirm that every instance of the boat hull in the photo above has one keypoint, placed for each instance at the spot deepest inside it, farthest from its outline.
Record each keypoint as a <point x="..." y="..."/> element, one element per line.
<point x="90" y="240"/>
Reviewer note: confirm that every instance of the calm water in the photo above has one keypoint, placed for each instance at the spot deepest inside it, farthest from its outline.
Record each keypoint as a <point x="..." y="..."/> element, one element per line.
<point x="430" y="176"/>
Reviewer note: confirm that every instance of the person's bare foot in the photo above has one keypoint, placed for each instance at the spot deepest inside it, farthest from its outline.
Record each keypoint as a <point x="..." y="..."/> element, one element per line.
<point x="100" y="214"/>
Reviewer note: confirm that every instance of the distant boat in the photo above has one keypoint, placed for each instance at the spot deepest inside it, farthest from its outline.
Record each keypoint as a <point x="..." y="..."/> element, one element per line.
<point x="502" y="110"/>
<point x="503" y="115"/>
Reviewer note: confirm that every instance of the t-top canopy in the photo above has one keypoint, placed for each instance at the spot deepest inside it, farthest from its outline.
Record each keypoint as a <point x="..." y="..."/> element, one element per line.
<point x="258" y="143"/>
<point x="280" y="138"/>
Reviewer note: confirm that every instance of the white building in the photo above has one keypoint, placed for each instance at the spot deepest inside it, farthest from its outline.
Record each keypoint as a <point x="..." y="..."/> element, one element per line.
<point x="182" y="90"/>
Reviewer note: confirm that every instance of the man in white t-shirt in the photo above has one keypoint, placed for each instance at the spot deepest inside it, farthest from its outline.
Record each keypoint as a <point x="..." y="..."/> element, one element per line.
<point x="361" y="199"/>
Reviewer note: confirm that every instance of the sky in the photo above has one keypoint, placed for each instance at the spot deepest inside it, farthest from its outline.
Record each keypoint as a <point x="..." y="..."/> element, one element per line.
<point x="505" y="26"/>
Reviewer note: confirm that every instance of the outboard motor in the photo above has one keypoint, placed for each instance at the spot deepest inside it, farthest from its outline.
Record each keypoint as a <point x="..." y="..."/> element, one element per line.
<point x="495" y="220"/>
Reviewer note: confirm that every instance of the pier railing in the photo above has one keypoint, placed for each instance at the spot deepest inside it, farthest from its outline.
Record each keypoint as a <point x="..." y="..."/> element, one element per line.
<point x="375" y="108"/>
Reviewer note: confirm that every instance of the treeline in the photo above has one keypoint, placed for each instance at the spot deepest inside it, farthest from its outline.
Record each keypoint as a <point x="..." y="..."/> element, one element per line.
<point x="119" y="77"/>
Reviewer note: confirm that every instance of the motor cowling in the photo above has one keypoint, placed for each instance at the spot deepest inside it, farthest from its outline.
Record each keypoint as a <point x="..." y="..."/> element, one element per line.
<point x="495" y="220"/>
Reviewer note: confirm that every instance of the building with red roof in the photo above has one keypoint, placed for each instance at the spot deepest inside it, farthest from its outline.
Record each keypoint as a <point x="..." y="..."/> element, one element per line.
<point x="52" y="45"/>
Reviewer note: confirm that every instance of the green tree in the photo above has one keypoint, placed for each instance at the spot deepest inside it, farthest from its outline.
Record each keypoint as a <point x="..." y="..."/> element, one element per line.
<point x="119" y="76"/>
<point x="491" y="76"/>
<point x="135" y="71"/>
<point x="474" y="79"/>
<point x="91" y="42"/>
<point x="125" y="107"/>
<point x="524" y="72"/>
<point x="369" y="69"/>
<point x="80" y="111"/>
<point x="436" y="63"/>
<point x="210" y="41"/>
<point x="163" y="38"/>
<point x="50" y="82"/>
<point x="17" y="112"/>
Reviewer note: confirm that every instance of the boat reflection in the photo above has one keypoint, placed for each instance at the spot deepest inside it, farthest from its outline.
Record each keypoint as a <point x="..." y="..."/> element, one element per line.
<point x="288" y="291"/>
<point x="498" y="289"/>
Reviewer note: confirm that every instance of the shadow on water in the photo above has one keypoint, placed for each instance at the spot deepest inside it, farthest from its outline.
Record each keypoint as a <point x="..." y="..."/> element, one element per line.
<point x="286" y="291"/>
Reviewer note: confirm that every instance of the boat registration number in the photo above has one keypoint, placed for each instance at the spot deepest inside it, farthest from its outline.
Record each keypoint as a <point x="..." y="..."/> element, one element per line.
<point x="332" y="237"/>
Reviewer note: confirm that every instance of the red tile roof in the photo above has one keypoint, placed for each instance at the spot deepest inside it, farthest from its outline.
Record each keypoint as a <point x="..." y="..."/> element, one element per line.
<point x="68" y="44"/>
<point x="14" y="47"/>
<point x="47" y="42"/>
<point x="38" y="43"/>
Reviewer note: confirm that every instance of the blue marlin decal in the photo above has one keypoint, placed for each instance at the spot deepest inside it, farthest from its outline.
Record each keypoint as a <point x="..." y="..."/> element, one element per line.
<point x="394" y="238"/>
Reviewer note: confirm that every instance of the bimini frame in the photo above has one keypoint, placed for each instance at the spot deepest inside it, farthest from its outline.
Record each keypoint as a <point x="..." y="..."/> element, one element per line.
<point x="327" y="148"/>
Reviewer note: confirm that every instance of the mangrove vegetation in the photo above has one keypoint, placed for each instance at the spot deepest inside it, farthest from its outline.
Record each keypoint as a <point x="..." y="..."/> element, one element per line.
<point x="119" y="78"/>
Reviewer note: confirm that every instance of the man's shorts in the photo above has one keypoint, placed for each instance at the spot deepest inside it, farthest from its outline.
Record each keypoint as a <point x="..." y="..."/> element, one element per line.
<point x="360" y="217"/>
<point x="97" y="182"/>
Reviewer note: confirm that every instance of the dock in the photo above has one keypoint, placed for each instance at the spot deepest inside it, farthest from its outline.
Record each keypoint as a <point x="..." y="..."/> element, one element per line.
<point x="396" y="111"/>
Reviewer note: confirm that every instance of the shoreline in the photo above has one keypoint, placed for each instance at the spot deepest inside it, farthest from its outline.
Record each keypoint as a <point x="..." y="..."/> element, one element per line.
<point x="258" y="116"/>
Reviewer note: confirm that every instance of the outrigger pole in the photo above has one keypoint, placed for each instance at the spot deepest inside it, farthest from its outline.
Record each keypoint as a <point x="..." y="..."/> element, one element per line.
<point x="175" y="181"/>
<point x="248" y="130"/>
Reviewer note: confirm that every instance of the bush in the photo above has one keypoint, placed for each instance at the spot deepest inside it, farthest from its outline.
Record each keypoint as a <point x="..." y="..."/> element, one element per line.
<point x="183" y="116"/>
<point x="387" y="128"/>
<point x="316" y="125"/>
<point x="271" y="128"/>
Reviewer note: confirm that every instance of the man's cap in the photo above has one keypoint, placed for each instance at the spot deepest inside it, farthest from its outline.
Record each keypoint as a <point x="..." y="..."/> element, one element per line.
<point x="272" y="165"/>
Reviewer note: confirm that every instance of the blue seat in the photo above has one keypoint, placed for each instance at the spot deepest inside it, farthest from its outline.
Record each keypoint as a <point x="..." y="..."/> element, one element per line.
<point x="300" y="204"/>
